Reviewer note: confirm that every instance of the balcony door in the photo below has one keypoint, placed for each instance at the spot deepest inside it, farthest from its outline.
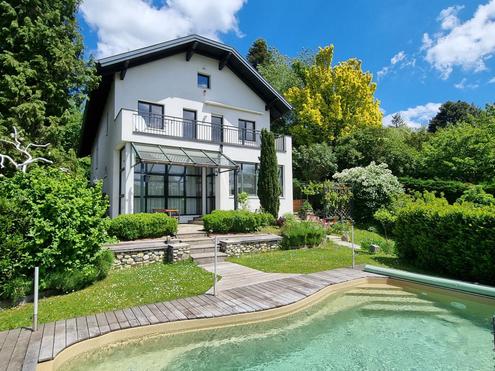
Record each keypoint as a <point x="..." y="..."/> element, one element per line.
<point x="152" y="114"/>
<point x="216" y="129"/>
<point x="189" y="124"/>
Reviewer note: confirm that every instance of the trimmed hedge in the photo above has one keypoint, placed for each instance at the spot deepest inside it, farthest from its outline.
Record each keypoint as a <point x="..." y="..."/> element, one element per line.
<point x="225" y="221"/>
<point x="135" y="226"/>
<point x="456" y="240"/>
<point x="302" y="234"/>
<point x="452" y="189"/>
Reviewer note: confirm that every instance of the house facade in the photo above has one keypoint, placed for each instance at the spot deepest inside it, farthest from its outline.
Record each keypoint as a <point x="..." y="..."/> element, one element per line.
<point x="176" y="126"/>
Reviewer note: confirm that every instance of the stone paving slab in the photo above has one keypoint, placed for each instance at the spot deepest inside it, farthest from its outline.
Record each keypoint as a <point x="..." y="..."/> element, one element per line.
<point x="23" y="349"/>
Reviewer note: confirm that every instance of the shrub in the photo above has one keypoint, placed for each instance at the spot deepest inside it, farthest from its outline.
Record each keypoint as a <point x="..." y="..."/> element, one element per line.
<point x="305" y="210"/>
<point x="243" y="199"/>
<point x="225" y="221"/>
<point x="135" y="226"/>
<point x="450" y="189"/>
<point x="372" y="187"/>
<point x="338" y="228"/>
<point x="457" y="240"/>
<point x="477" y="196"/>
<point x="302" y="234"/>
<point x="51" y="219"/>
<point x="386" y="246"/>
<point x="268" y="180"/>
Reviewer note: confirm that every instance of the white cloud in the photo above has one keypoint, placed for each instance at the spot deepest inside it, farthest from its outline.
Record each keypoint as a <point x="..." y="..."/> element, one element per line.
<point x="415" y="117"/>
<point x="398" y="57"/>
<point x="464" y="85"/>
<point x="448" y="17"/>
<point x="123" y="25"/>
<point x="467" y="45"/>
<point x="492" y="80"/>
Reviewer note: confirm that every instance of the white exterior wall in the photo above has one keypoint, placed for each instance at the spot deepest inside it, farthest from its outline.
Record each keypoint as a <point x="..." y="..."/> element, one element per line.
<point x="172" y="82"/>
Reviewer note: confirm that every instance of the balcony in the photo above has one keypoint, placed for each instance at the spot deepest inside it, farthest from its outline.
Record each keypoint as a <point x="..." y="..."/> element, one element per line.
<point x="199" y="131"/>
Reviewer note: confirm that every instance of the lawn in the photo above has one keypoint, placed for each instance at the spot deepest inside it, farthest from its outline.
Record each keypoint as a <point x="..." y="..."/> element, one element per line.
<point x="328" y="256"/>
<point x="121" y="289"/>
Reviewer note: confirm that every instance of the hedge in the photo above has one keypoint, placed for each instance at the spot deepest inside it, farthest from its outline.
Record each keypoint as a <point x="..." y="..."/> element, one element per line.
<point x="225" y="221"/>
<point x="135" y="226"/>
<point x="452" y="189"/>
<point x="302" y="234"/>
<point x="455" y="240"/>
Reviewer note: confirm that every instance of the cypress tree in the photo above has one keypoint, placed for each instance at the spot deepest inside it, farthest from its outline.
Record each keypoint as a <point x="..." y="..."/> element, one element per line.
<point x="268" y="181"/>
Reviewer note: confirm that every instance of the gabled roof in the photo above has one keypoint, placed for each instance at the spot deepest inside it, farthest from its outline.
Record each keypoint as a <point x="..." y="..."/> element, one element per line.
<point x="226" y="55"/>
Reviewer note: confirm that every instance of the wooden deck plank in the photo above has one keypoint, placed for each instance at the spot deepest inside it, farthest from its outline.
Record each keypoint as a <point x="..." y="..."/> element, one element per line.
<point x="213" y="306"/>
<point x="284" y="296"/>
<point x="140" y="316"/>
<point x="102" y="323"/>
<point x="8" y="347"/>
<point x="246" y="296"/>
<point x="176" y="311"/>
<point x="131" y="317"/>
<point x="171" y="317"/>
<point x="222" y="304"/>
<point x="113" y="323"/>
<point x="93" y="328"/>
<point x="188" y="312"/>
<point x="46" y="350"/>
<point x="243" y="299"/>
<point x="150" y="317"/>
<point x="202" y="307"/>
<point x="33" y="350"/>
<point x="236" y="303"/>
<point x="158" y="313"/>
<point x="3" y="336"/>
<point x="59" y="342"/>
<point x="19" y="353"/>
<point x="122" y="319"/>
<point x="190" y="308"/>
<point x="70" y="331"/>
<point x="261" y="298"/>
<point x="82" y="328"/>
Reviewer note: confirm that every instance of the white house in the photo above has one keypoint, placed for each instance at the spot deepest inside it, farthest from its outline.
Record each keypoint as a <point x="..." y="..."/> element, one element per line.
<point x="176" y="125"/>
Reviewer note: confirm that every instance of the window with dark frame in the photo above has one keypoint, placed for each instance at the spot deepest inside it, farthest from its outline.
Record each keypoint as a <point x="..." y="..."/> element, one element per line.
<point x="216" y="128"/>
<point x="152" y="114"/>
<point x="247" y="131"/>
<point x="189" y="124"/>
<point x="203" y="81"/>
<point x="247" y="179"/>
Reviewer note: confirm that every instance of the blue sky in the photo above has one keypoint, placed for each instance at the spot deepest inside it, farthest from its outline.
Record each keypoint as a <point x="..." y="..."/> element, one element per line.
<point x="421" y="53"/>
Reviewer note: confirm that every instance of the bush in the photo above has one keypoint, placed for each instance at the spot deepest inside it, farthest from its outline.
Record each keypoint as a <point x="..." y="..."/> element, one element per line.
<point x="372" y="187"/>
<point x="51" y="219"/>
<point x="338" y="228"/>
<point x="305" y="210"/>
<point x="450" y="189"/>
<point x="456" y="240"/>
<point x="302" y="234"/>
<point x="477" y="196"/>
<point x="129" y="227"/>
<point x="76" y="279"/>
<point x="225" y="221"/>
<point x="386" y="246"/>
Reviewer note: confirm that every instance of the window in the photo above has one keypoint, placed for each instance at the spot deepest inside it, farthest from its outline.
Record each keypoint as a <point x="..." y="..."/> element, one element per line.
<point x="246" y="179"/>
<point x="152" y="114"/>
<point x="189" y="124"/>
<point x="203" y="81"/>
<point x="281" y="179"/>
<point x="247" y="131"/>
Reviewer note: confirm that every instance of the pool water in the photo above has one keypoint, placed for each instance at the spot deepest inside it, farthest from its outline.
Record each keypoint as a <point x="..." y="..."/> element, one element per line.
<point x="370" y="327"/>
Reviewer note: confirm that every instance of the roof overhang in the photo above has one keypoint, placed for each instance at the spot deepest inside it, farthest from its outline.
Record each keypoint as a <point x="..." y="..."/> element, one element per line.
<point x="226" y="55"/>
<point x="153" y="153"/>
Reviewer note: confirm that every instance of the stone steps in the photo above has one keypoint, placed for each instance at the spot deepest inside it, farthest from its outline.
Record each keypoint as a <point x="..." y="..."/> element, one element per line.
<point x="198" y="249"/>
<point x="208" y="257"/>
<point x="195" y="234"/>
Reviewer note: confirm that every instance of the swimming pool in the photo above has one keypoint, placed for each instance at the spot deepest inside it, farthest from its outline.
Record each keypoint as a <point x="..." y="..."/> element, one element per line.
<point x="369" y="327"/>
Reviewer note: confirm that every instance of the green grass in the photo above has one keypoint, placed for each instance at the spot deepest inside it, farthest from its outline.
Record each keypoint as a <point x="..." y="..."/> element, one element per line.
<point x="121" y="289"/>
<point x="326" y="257"/>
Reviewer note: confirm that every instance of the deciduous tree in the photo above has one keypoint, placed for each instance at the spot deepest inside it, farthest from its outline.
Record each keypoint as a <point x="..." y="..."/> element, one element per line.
<point x="452" y="113"/>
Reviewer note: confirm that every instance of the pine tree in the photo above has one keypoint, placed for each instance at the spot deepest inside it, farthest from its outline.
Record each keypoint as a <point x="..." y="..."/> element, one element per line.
<point x="398" y="121"/>
<point x="268" y="180"/>
<point x="258" y="53"/>
<point x="43" y="77"/>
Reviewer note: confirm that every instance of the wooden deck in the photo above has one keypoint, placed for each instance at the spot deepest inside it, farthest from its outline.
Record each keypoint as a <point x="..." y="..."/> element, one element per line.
<point x="22" y="349"/>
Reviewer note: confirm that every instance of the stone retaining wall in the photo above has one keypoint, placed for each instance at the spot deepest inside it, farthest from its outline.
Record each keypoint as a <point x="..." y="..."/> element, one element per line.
<point x="177" y="252"/>
<point x="251" y="244"/>
<point x="125" y="259"/>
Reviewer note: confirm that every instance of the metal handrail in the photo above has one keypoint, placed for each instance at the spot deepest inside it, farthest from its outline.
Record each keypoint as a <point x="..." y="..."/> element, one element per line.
<point x="197" y="130"/>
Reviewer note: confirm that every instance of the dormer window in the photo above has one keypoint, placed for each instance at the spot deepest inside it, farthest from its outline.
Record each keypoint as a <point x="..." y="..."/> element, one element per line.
<point x="203" y="81"/>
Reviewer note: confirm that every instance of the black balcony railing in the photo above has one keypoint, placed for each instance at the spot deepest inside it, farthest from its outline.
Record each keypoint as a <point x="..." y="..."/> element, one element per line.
<point x="199" y="131"/>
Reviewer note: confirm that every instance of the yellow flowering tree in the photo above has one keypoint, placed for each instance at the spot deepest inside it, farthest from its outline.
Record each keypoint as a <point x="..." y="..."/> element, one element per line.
<point x="334" y="101"/>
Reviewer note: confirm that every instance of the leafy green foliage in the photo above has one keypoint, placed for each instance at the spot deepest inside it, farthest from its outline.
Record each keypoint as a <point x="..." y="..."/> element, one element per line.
<point x="372" y="187"/>
<point x="450" y="189"/>
<point x="141" y="225"/>
<point x="305" y="210"/>
<point x="268" y="180"/>
<point x="242" y="199"/>
<point x="385" y="246"/>
<point x="314" y="162"/>
<point x="477" y="196"/>
<point x="464" y="152"/>
<point x="456" y="240"/>
<point x="452" y="113"/>
<point x="44" y="78"/>
<point x="258" y="53"/>
<point x="225" y="221"/>
<point x="302" y="234"/>
<point x="50" y="219"/>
